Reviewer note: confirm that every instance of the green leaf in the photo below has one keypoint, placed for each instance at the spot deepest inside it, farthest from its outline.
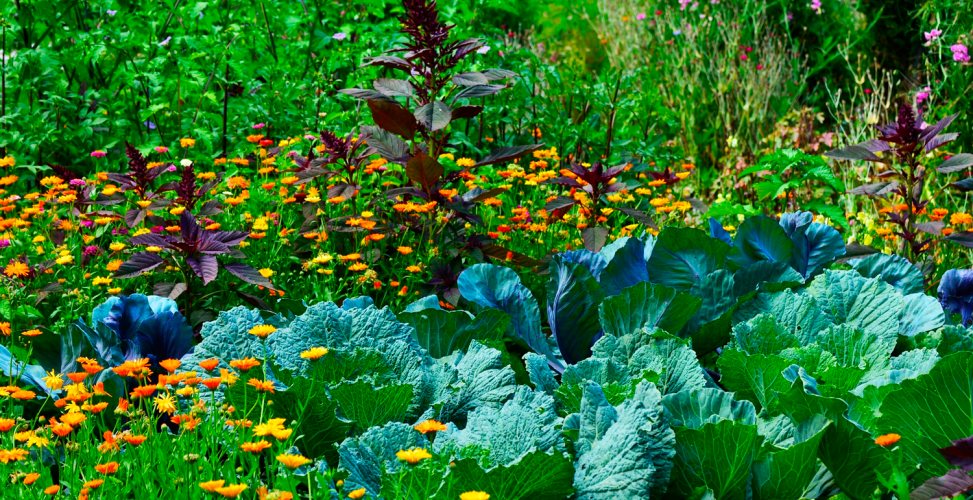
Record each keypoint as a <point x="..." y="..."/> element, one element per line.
<point x="785" y="474"/>
<point x="695" y="408"/>
<point x="535" y="475"/>
<point x="317" y="425"/>
<point x="442" y="332"/>
<point x="683" y="256"/>
<point x="930" y="412"/>
<point x="756" y="377"/>
<point x="892" y="269"/>
<point x="649" y="306"/>
<point x="758" y="239"/>
<point x="370" y="406"/>
<point x="371" y="456"/>
<point x="717" y="456"/>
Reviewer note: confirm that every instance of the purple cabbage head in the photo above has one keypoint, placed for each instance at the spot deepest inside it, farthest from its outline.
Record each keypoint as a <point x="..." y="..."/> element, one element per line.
<point x="956" y="293"/>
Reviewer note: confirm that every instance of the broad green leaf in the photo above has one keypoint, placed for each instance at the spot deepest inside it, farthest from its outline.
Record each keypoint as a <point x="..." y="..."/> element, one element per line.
<point x="369" y="406"/>
<point x="695" y="408"/>
<point x="892" y="269"/>
<point x="442" y="332"/>
<point x="760" y="238"/>
<point x="785" y="474"/>
<point x="717" y="456"/>
<point x="756" y="377"/>
<point x="682" y="257"/>
<point x="535" y="475"/>
<point x="649" y="306"/>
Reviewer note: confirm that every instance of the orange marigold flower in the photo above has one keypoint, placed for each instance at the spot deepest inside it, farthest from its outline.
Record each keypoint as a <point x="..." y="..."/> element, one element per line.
<point x="212" y="383"/>
<point x="314" y="353"/>
<point x="52" y="490"/>
<point x="31" y="478"/>
<point x="5" y="328"/>
<point x="430" y="426"/>
<point x="292" y="461"/>
<point x="17" y="269"/>
<point x="6" y="424"/>
<point x="887" y="440"/>
<point x="357" y="494"/>
<point x="211" y="486"/>
<point x="171" y="365"/>
<point x="135" y="440"/>
<point x="94" y="483"/>
<point x="404" y="250"/>
<point x="24" y="395"/>
<point x="109" y="468"/>
<point x="31" y="333"/>
<point x="262" y="331"/>
<point x="209" y="364"/>
<point x="256" y="447"/>
<point x="413" y="456"/>
<point x="244" y="364"/>
<point x="262" y="385"/>
<point x="231" y="491"/>
<point x="960" y="218"/>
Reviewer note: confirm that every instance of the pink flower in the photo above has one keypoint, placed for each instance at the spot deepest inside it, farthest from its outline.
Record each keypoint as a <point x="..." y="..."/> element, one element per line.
<point x="760" y="66"/>
<point x="98" y="154"/>
<point x="932" y="35"/>
<point x="960" y="53"/>
<point x="259" y="126"/>
<point x="921" y="96"/>
<point x="868" y="91"/>
<point x="161" y="149"/>
<point x="743" y="57"/>
<point x="640" y="16"/>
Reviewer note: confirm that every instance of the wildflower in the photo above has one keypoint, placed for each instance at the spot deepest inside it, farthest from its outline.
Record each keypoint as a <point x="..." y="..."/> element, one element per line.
<point x="244" y="364"/>
<point x="960" y="53"/>
<point x="960" y="218"/>
<point x="171" y="365"/>
<point x="109" y="468"/>
<point x="211" y="486"/>
<point x="6" y="424"/>
<point x="339" y="36"/>
<point x="212" y="383"/>
<point x="31" y="333"/>
<point x="887" y="440"/>
<point x="413" y="456"/>
<point x="404" y="250"/>
<point x="477" y="495"/>
<point x="187" y="143"/>
<point x="314" y="353"/>
<point x="256" y="447"/>
<point x="94" y="483"/>
<point x="262" y="331"/>
<point x="430" y="426"/>
<point x="266" y="273"/>
<point x="24" y="395"/>
<point x="231" y="491"/>
<point x="209" y="364"/>
<point x="17" y="269"/>
<point x="54" y="381"/>
<point x="135" y="440"/>
<point x="261" y="385"/>
<point x="165" y="404"/>
<point x="52" y="490"/>
<point x="30" y="478"/>
<point x="5" y="328"/>
<point x="357" y="494"/>
<point x="292" y="461"/>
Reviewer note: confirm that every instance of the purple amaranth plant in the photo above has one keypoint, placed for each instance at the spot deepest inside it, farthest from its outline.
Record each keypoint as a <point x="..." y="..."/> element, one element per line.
<point x="903" y="145"/>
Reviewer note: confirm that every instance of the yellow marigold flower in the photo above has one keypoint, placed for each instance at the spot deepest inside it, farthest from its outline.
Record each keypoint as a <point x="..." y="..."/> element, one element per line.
<point x="266" y="273"/>
<point x="413" y="269"/>
<point x="54" y="381"/>
<point x="165" y="404"/>
<point x="67" y="259"/>
<point x="262" y="331"/>
<point x="256" y="447"/>
<point x="682" y="175"/>
<point x="887" y="440"/>
<point x="465" y="162"/>
<point x="314" y="353"/>
<point x="187" y="142"/>
<point x="244" y="364"/>
<point x="101" y="281"/>
<point x="292" y="461"/>
<point x="430" y="426"/>
<point x="413" y="456"/>
<point x="404" y="250"/>
<point x="360" y="266"/>
<point x="357" y="494"/>
<point x="474" y="495"/>
<point x="31" y="333"/>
